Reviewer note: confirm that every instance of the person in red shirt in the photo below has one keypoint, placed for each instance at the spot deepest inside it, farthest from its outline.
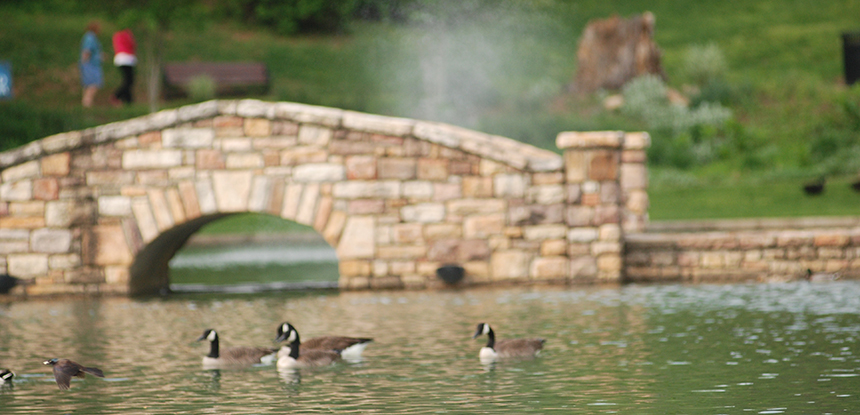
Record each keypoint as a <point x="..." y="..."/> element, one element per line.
<point x="125" y="59"/>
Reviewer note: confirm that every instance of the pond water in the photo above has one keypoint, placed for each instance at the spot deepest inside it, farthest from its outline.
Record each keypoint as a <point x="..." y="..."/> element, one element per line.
<point x="704" y="349"/>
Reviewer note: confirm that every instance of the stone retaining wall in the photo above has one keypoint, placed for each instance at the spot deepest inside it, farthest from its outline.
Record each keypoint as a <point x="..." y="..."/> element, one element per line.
<point x="747" y="250"/>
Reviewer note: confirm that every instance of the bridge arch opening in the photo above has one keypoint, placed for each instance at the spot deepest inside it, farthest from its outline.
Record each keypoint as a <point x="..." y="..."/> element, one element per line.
<point x="235" y="252"/>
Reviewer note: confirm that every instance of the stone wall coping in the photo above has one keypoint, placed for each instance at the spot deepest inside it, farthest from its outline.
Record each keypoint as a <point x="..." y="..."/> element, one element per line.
<point x="603" y="139"/>
<point x="698" y="226"/>
<point x="500" y="149"/>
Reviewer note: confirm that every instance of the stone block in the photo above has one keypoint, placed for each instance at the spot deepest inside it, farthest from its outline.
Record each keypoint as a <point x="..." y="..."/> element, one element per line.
<point x="634" y="176"/>
<point x="398" y="127"/>
<point x="319" y="172"/>
<point x="609" y="263"/>
<point x="187" y="138"/>
<point x="302" y="155"/>
<point x="407" y="233"/>
<point x="34" y="208"/>
<point x="795" y="238"/>
<point x="258" y="127"/>
<point x="432" y="169"/>
<point x="582" y="235"/>
<point x="604" y="247"/>
<point x="549" y="268"/>
<point x="110" y="246"/>
<point x="333" y="228"/>
<point x="64" y="261"/>
<point x="14" y="241"/>
<point x="547" y="194"/>
<point x="391" y="282"/>
<point x="418" y="190"/>
<point x="396" y="168"/>
<point x="583" y="267"/>
<point x="713" y="260"/>
<point x="509" y="185"/>
<point x="832" y="239"/>
<point x="292" y="198"/>
<point x="477" y="187"/>
<point x="145" y="220"/>
<point x="151" y="159"/>
<point x="609" y="232"/>
<point x="27" y="170"/>
<point x="543" y="232"/>
<point x="354" y="268"/>
<point x="472" y="249"/>
<point x="465" y="207"/>
<point x="423" y="213"/>
<point x="366" y="206"/>
<point x="232" y="190"/>
<point x="540" y="179"/>
<point x="206" y="159"/>
<point x="56" y="164"/>
<point x="51" y="241"/>
<point x="446" y="191"/>
<point x="510" y="264"/>
<point x="366" y="189"/>
<point x="360" y="167"/>
<point x="314" y="135"/>
<point x="323" y="212"/>
<point x="553" y="247"/>
<point x="357" y="238"/>
<point x="402" y="267"/>
<point x="606" y="214"/>
<point x="22" y="222"/>
<point x="434" y="231"/>
<point x="308" y="203"/>
<point x="188" y="194"/>
<point x="27" y="265"/>
<point x="483" y="226"/>
<point x="244" y="161"/>
<point x="589" y="139"/>
<point x="19" y="190"/>
<point x="401" y="251"/>
<point x="603" y="166"/>
<point x="637" y="141"/>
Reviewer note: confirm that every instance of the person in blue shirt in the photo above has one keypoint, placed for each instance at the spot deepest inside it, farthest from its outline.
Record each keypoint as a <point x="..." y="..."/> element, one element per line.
<point x="91" y="63"/>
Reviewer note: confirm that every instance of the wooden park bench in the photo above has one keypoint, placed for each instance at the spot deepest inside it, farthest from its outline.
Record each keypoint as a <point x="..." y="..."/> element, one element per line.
<point x="231" y="78"/>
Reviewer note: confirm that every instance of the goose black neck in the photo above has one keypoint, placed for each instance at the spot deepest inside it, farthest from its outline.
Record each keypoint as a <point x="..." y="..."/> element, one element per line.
<point x="294" y="346"/>
<point x="491" y="338"/>
<point x="213" y="348"/>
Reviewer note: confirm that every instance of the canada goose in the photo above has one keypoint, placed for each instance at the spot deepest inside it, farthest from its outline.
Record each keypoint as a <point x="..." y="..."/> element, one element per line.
<point x="6" y="376"/>
<point x="350" y="347"/>
<point x="821" y="276"/>
<point x="65" y="370"/>
<point x="506" y="348"/>
<point x="8" y="282"/>
<point x="307" y="358"/>
<point x="234" y="356"/>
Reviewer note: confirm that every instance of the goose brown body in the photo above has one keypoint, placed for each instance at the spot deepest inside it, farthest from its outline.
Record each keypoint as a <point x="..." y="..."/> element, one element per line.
<point x="298" y="358"/>
<point x="349" y="347"/>
<point x="232" y="356"/>
<point x="506" y="348"/>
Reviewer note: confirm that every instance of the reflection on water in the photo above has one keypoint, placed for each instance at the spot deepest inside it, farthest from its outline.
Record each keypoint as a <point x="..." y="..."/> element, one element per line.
<point x="732" y="349"/>
<point x="251" y="268"/>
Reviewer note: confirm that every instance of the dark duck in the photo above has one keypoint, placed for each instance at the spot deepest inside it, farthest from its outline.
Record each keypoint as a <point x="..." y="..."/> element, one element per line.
<point x="65" y="370"/>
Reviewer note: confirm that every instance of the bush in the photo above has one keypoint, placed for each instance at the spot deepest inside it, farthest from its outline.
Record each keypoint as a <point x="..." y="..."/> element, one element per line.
<point x="704" y="64"/>
<point x="293" y="16"/>
<point x="201" y="88"/>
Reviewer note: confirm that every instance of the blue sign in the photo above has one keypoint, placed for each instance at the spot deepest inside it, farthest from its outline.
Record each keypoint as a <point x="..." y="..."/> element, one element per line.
<point x="5" y="80"/>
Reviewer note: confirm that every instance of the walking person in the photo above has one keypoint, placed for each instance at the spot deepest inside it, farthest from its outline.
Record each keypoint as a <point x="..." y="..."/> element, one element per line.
<point x="91" y="63"/>
<point x="125" y="59"/>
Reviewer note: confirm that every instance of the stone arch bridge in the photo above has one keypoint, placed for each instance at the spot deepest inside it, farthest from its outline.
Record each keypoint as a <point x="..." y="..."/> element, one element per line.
<point x="104" y="209"/>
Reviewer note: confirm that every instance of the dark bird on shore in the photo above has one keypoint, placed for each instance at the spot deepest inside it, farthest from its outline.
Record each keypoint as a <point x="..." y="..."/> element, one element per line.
<point x="8" y="282"/>
<point x="350" y="347"/>
<point x="6" y="376"/>
<point x="65" y="370"/>
<point x="856" y="185"/>
<point x="234" y="356"/>
<point x="815" y="187"/>
<point x="506" y="348"/>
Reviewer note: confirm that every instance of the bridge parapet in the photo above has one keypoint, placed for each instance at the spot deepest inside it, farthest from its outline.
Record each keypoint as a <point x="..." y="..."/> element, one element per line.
<point x="104" y="209"/>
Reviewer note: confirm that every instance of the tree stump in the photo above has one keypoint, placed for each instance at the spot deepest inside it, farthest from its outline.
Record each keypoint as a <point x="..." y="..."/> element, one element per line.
<point x="614" y="51"/>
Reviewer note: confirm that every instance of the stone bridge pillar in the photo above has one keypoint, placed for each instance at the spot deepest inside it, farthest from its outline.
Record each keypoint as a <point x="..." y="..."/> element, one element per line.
<point x="606" y="183"/>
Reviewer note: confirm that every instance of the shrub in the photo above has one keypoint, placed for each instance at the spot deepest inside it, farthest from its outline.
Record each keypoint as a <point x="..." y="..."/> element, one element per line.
<point x="201" y="88"/>
<point x="704" y="63"/>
